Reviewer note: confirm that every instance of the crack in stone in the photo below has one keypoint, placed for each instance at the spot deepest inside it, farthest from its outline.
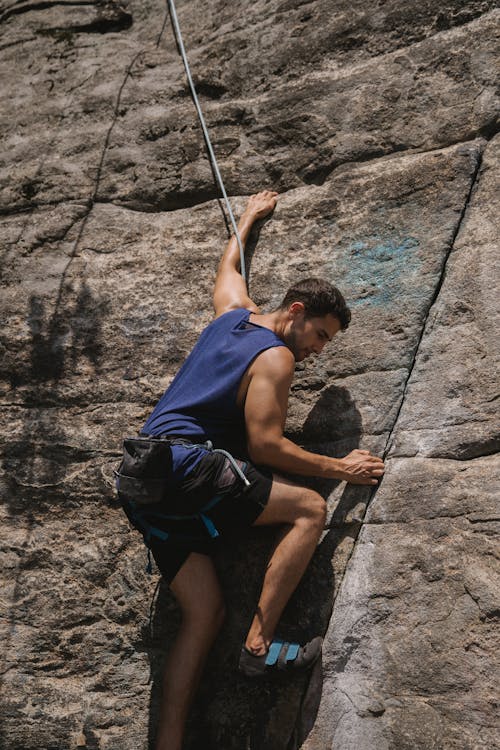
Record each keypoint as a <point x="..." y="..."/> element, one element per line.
<point x="460" y="459"/>
<point x="92" y="199"/>
<point x="32" y="206"/>
<point x="17" y="10"/>
<point x="457" y="423"/>
<point x="430" y="518"/>
<point x="181" y="203"/>
<point x="487" y="132"/>
<point x="19" y="41"/>
<point x="467" y="455"/>
<point x="474" y="181"/>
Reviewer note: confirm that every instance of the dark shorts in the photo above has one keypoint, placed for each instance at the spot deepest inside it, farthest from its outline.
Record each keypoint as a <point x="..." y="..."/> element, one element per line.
<point x="238" y="509"/>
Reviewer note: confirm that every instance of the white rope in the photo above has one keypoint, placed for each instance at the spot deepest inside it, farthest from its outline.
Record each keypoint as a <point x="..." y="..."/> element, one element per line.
<point x="173" y="15"/>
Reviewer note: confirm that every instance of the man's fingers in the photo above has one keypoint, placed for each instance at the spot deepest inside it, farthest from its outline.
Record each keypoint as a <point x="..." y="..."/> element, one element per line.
<point x="375" y="471"/>
<point x="363" y="468"/>
<point x="371" y="475"/>
<point x="263" y="203"/>
<point x="265" y="194"/>
<point x="360" y="479"/>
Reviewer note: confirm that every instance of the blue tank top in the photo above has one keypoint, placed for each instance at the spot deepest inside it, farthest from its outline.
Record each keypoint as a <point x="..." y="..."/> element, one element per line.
<point x="200" y="403"/>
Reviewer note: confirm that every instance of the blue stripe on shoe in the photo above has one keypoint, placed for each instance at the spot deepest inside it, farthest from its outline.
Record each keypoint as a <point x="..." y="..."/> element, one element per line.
<point x="274" y="652"/>
<point x="292" y="653"/>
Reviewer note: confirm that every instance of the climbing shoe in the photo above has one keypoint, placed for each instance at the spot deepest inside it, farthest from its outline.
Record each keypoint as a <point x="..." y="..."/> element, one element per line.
<point x="282" y="656"/>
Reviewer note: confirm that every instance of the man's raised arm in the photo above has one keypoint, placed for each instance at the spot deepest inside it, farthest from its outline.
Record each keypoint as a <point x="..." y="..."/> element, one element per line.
<point x="230" y="288"/>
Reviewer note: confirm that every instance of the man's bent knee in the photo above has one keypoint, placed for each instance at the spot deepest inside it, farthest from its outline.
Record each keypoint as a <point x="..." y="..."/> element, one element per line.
<point x="314" y="508"/>
<point x="289" y="503"/>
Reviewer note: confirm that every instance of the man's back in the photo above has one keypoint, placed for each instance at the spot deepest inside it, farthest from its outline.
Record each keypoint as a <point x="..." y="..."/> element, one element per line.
<point x="201" y="401"/>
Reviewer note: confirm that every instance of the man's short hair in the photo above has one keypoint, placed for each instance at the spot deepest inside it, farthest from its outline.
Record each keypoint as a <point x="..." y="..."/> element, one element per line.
<point x="319" y="298"/>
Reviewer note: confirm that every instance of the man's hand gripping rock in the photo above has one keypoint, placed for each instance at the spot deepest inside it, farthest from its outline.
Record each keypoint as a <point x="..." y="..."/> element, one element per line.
<point x="261" y="204"/>
<point x="360" y="467"/>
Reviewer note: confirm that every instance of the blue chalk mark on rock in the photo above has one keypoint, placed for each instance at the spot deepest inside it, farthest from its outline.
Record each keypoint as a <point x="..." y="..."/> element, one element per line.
<point x="379" y="271"/>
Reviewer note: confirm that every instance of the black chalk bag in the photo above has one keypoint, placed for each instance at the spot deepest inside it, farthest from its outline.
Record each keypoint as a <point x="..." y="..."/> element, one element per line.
<point x="145" y="471"/>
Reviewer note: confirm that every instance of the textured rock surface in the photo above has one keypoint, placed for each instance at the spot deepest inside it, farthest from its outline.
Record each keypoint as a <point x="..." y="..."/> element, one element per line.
<point x="412" y="651"/>
<point x="377" y="124"/>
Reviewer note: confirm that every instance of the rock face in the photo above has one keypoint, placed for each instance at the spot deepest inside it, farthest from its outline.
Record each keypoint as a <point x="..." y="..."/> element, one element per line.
<point x="377" y="124"/>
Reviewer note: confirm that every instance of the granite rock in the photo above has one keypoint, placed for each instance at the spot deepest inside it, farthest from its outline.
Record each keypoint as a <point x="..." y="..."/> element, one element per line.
<point x="377" y="125"/>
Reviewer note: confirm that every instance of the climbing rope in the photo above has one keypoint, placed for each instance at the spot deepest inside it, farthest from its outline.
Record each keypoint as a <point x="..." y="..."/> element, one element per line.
<point x="180" y="43"/>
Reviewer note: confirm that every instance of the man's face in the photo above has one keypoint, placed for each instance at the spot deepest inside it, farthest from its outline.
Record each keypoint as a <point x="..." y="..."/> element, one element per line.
<point x="306" y="336"/>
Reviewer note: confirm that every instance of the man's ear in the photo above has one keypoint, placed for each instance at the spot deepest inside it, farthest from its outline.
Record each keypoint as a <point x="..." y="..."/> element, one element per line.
<point x="296" y="310"/>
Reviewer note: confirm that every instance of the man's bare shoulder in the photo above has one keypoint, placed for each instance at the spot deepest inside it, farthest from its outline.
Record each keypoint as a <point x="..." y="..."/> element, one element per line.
<point x="278" y="361"/>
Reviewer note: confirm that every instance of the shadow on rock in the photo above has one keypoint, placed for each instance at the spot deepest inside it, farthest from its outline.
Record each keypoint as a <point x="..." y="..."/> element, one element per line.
<point x="35" y="461"/>
<point x="333" y="419"/>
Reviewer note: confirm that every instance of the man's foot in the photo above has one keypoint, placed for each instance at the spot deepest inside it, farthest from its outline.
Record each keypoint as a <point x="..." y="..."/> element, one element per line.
<point x="282" y="656"/>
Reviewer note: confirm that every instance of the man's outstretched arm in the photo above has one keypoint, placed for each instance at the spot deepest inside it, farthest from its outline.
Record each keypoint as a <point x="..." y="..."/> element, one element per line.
<point x="265" y="413"/>
<point x="230" y="289"/>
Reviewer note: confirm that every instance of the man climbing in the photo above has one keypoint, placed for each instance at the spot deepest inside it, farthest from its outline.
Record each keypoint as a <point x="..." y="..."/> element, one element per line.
<point x="233" y="391"/>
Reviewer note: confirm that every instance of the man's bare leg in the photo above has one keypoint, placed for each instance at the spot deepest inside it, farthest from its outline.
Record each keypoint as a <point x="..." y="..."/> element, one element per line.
<point x="304" y="512"/>
<point x="197" y="590"/>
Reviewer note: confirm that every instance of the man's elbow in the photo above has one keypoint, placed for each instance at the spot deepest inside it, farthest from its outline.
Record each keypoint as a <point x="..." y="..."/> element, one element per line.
<point x="262" y="451"/>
